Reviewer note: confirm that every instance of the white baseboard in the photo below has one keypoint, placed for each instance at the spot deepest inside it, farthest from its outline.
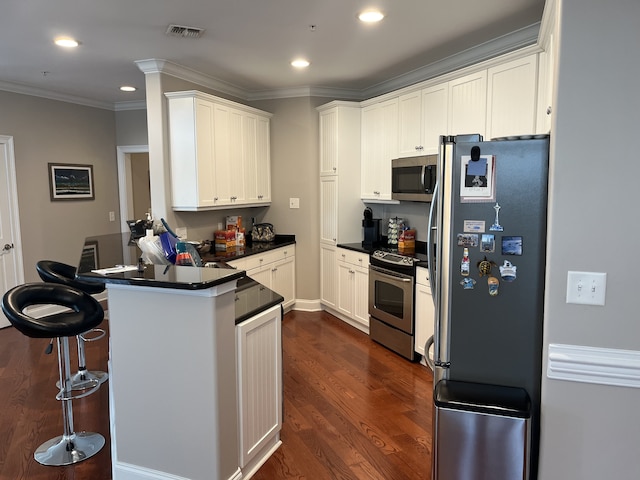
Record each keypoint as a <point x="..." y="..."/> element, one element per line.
<point x="39" y="311"/>
<point x="307" y="305"/>
<point x="126" y="471"/>
<point x="603" y="366"/>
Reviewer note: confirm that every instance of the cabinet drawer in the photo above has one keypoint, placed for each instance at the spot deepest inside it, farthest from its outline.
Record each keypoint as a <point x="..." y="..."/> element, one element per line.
<point x="354" y="258"/>
<point x="422" y="277"/>
<point x="256" y="261"/>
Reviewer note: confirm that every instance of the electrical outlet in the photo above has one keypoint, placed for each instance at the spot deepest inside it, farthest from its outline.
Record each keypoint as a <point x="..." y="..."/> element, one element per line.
<point x="294" y="203"/>
<point x="181" y="232"/>
<point x="586" y="288"/>
<point x="112" y="216"/>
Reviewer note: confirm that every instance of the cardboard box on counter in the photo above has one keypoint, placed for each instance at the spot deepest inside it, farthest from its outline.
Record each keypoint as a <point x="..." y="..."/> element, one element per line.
<point x="229" y="239"/>
<point x="407" y="241"/>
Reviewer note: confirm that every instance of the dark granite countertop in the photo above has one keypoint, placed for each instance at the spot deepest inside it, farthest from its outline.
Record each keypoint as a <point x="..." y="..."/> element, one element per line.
<point x="252" y="248"/>
<point x="109" y="251"/>
<point x="420" y="252"/>
<point x="252" y="298"/>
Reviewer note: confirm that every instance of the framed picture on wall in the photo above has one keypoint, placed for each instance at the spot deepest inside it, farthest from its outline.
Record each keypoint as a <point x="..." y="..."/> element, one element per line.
<point x="71" y="182"/>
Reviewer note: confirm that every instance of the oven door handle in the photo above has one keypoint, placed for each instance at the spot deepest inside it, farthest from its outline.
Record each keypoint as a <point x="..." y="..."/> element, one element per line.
<point x="383" y="271"/>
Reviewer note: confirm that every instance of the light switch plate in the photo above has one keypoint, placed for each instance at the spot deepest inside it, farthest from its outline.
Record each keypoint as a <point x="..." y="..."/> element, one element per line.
<point x="294" y="203"/>
<point x="586" y="288"/>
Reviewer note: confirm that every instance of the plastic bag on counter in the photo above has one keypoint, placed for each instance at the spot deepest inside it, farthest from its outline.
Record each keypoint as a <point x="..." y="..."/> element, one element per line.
<point x="152" y="251"/>
<point x="187" y="255"/>
<point x="169" y="242"/>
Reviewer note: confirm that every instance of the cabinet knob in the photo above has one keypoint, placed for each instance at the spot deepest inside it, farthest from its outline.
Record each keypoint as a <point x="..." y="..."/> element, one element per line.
<point x="274" y="269"/>
<point x="215" y="199"/>
<point x="334" y="169"/>
<point x="549" y="110"/>
<point x="351" y="271"/>
<point x="376" y="192"/>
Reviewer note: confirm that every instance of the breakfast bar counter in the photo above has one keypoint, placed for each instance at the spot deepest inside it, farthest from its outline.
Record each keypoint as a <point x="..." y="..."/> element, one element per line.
<point x="175" y="407"/>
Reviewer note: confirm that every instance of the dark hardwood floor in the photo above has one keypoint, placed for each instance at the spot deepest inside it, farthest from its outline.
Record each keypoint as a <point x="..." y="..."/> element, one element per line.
<point x="353" y="409"/>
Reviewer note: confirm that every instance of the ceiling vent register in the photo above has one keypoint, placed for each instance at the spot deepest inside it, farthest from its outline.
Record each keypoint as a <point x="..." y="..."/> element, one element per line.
<point x="184" y="32"/>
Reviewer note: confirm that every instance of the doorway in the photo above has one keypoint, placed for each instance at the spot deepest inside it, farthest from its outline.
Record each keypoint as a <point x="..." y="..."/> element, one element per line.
<point x="11" y="266"/>
<point x="133" y="183"/>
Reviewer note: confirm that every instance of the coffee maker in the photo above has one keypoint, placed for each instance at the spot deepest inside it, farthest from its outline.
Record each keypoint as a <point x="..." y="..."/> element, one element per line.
<point x="371" y="229"/>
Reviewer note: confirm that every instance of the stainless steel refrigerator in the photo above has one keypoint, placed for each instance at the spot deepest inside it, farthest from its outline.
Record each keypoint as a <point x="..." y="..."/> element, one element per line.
<point x="487" y="246"/>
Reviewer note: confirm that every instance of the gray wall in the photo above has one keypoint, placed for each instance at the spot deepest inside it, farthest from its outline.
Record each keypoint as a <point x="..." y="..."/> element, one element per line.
<point x="51" y="131"/>
<point x="131" y="127"/>
<point x="589" y="431"/>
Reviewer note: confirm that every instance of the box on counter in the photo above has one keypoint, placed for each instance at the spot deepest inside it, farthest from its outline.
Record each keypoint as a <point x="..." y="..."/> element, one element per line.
<point x="224" y="239"/>
<point x="234" y="222"/>
<point x="229" y="239"/>
<point x="407" y="241"/>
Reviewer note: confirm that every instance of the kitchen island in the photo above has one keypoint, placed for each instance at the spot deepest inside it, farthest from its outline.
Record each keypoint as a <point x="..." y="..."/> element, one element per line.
<point x="179" y="400"/>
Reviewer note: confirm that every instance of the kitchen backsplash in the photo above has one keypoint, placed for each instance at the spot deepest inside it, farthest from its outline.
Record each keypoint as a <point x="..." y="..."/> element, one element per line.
<point x="414" y="213"/>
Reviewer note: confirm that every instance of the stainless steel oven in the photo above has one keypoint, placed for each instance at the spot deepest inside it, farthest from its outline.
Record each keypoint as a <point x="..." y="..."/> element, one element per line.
<point x="391" y="305"/>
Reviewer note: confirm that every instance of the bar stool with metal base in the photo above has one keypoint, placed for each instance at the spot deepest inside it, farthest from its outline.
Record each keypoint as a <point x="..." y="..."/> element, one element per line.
<point x="85" y="313"/>
<point x="57" y="272"/>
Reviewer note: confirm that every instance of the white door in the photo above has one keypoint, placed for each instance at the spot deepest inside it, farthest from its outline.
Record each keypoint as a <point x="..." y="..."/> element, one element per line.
<point x="11" y="270"/>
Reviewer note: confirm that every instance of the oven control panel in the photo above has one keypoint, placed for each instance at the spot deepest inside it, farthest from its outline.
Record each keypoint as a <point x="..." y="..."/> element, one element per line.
<point x="394" y="258"/>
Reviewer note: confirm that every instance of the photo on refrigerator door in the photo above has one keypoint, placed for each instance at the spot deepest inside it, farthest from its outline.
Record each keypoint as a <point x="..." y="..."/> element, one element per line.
<point x="477" y="179"/>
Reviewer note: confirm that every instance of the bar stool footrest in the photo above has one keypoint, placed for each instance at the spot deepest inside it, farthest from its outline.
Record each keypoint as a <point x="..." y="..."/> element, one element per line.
<point x="69" y="450"/>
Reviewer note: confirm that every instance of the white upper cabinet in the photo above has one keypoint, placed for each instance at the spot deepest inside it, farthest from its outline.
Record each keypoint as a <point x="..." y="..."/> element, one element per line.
<point x="340" y="204"/>
<point x="511" y="98"/>
<point x="379" y="146"/>
<point x="435" y="116"/>
<point x="410" y="124"/>
<point x="422" y="118"/>
<point x="219" y="153"/>
<point x="468" y="104"/>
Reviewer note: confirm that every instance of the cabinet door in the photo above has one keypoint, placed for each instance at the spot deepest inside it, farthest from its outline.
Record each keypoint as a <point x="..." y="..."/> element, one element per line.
<point x="424" y="313"/>
<point x="329" y="142"/>
<point x="263" y="163"/>
<point x="511" y="98"/>
<point x="410" y="124"/>
<point x="191" y="151"/>
<point x="283" y="279"/>
<point x="329" y="209"/>
<point x="261" y="275"/>
<point x="228" y="154"/>
<point x="468" y="104"/>
<point x="435" y="115"/>
<point x="379" y="146"/>
<point x="328" y="275"/>
<point x="346" y="284"/>
<point x="361" y="296"/>
<point x="259" y="381"/>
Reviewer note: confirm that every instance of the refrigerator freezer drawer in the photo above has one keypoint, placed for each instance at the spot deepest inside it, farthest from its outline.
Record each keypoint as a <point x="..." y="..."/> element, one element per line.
<point x="471" y="444"/>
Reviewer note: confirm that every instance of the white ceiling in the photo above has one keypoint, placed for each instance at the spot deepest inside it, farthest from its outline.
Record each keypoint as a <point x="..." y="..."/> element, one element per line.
<point x="247" y="44"/>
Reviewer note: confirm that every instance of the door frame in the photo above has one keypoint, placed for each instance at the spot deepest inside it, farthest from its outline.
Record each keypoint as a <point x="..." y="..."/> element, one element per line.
<point x="6" y="143"/>
<point x="124" y="180"/>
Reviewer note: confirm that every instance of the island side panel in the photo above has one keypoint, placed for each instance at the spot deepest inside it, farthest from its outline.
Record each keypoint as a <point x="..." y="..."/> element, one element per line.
<point x="172" y="382"/>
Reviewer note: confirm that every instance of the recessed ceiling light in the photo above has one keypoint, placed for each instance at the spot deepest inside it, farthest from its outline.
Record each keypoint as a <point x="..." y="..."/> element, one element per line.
<point x="371" y="16"/>
<point x="128" y="88"/>
<point x="66" y="42"/>
<point x="300" y="63"/>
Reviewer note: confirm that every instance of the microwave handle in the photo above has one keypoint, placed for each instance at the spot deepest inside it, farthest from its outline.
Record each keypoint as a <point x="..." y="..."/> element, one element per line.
<point x="428" y="178"/>
<point x="423" y="179"/>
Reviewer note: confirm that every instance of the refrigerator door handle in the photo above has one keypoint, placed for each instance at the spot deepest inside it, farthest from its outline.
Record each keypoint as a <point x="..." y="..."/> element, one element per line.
<point x="431" y="254"/>
<point x="427" y="346"/>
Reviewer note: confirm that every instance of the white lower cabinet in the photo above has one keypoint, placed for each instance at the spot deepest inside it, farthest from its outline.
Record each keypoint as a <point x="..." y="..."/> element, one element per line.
<point x="259" y="384"/>
<point x="275" y="269"/>
<point x="353" y="287"/>
<point x="424" y="311"/>
<point x="328" y="275"/>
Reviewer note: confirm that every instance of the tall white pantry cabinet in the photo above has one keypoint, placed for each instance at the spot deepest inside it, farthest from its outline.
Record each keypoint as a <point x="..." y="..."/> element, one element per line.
<point x="340" y="205"/>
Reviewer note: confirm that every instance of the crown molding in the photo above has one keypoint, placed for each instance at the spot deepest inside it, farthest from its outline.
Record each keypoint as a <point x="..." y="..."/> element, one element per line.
<point x="155" y="65"/>
<point x="506" y="43"/>
<point x="51" y="95"/>
<point x="522" y="38"/>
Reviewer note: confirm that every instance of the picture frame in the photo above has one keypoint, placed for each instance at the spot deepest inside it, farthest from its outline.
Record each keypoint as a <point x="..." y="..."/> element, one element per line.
<point x="69" y="181"/>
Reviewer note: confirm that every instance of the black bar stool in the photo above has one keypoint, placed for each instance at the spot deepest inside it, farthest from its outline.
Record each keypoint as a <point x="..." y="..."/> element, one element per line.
<point x="57" y="272"/>
<point x="85" y="313"/>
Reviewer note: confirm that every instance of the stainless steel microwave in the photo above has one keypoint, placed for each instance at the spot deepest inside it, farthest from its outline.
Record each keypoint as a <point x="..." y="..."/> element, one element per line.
<point x="413" y="178"/>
